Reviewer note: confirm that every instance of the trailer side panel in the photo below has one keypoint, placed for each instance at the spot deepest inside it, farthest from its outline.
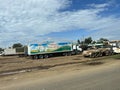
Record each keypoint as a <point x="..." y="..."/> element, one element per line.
<point x="34" y="49"/>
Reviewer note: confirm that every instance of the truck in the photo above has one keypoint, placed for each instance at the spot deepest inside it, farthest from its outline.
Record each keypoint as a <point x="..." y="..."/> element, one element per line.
<point x="45" y="50"/>
<point x="97" y="50"/>
<point x="9" y="52"/>
<point x="20" y="51"/>
<point x="115" y="46"/>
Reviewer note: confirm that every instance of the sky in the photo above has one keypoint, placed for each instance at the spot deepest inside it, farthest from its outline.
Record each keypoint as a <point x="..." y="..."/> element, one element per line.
<point x="35" y="21"/>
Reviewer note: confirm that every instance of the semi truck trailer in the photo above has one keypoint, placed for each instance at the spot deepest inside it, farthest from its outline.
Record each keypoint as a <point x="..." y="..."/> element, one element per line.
<point x="9" y="52"/>
<point x="20" y="51"/>
<point x="45" y="50"/>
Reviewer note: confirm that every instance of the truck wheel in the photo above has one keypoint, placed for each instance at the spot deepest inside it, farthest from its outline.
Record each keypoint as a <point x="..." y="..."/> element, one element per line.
<point x="35" y="57"/>
<point x="32" y="57"/>
<point x="103" y="54"/>
<point x="95" y="54"/>
<point x="111" y="53"/>
<point x="69" y="54"/>
<point x="78" y="52"/>
<point x="46" y="56"/>
<point x="41" y="56"/>
<point x="106" y="53"/>
<point x="64" y="54"/>
<point x="73" y="52"/>
<point x="100" y="54"/>
<point x="92" y="55"/>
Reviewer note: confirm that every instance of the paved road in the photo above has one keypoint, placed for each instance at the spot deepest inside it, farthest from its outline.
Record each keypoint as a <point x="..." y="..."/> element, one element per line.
<point x="107" y="78"/>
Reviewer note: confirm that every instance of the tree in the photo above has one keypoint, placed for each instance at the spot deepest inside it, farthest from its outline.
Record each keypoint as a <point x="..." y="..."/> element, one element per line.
<point x="103" y="40"/>
<point x="88" y="40"/>
<point x="1" y="49"/>
<point x="17" y="45"/>
<point x="93" y="42"/>
<point x="78" y="41"/>
<point x="84" y="44"/>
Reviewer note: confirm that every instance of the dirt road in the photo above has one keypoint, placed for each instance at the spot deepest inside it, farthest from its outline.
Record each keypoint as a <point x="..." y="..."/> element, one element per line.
<point x="99" y="78"/>
<point x="31" y="70"/>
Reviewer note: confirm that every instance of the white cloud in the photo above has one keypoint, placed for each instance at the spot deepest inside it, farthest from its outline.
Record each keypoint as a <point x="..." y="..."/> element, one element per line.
<point x="24" y="20"/>
<point x="99" y="5"/>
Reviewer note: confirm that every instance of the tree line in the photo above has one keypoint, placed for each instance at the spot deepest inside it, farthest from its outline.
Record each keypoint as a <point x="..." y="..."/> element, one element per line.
<point x="89" y="40"/>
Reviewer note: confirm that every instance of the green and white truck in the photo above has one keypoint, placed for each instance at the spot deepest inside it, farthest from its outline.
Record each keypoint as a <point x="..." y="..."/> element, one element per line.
<point x="45" y="50"/>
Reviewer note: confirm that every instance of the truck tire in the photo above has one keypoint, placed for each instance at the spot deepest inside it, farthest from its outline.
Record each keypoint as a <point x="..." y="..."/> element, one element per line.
<point x="100" y="54"/>
<point x="32" y="57"/>
<point x="65" y="54"/>
<point x="92" y="55"/>
<point x="41" y="56"/>
<point x="35" y="57"/>
<point x="69" y="54"/>
<point x="95" y="54"/>
<point x="107" y="53"/>
<point x="111" y="53"/>
<point x="46" y="56"/>
<point x="78" y="52"/>
<point x="103" y="54"/>
<point x="73" y="52"/>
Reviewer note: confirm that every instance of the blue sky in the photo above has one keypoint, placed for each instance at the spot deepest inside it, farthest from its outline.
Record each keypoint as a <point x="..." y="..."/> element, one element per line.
<point x="34" y="21"/>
